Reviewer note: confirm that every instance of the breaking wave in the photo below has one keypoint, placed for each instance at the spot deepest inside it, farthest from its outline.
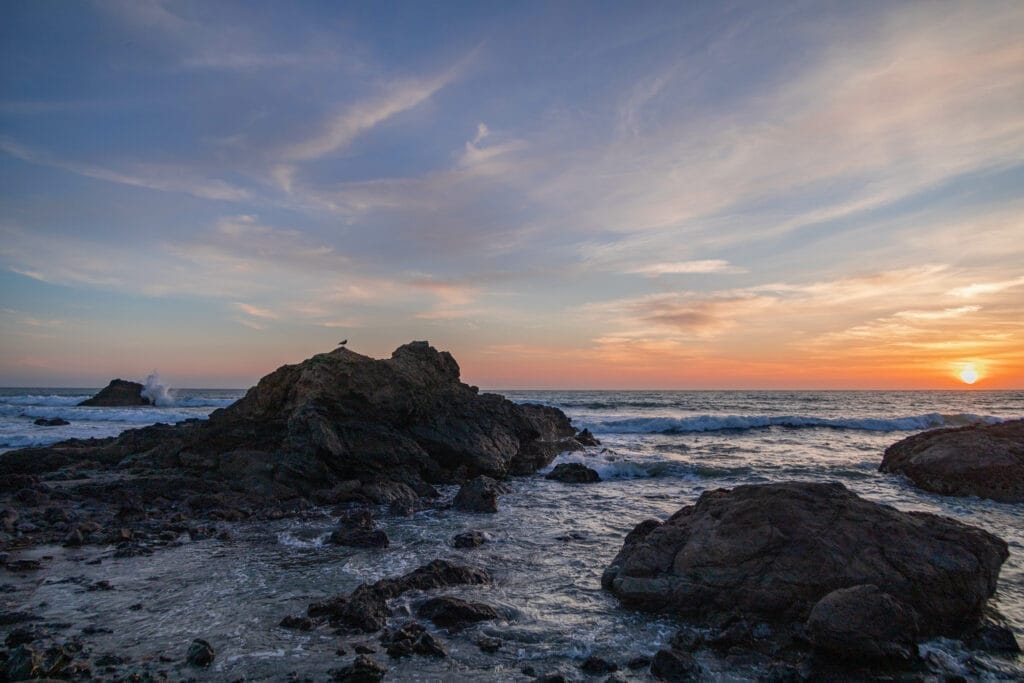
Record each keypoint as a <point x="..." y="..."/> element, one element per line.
<point x="715" y="423"/>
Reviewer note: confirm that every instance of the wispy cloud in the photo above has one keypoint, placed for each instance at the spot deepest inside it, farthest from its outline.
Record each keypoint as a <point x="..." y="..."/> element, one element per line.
<point x="705" y="266"/>
<point x="981" y="288"/>
<point x="166" y="178"/>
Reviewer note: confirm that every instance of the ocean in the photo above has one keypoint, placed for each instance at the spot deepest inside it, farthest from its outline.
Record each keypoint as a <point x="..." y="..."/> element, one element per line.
<point x="549" y="541"/>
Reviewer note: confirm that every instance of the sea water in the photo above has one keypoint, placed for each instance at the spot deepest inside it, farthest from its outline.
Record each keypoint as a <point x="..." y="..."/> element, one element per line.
<point x="549" y="541"/>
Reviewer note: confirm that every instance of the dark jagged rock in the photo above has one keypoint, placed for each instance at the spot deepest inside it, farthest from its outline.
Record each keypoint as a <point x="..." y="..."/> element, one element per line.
<point x="51" y="422"/>
<point x="297" y="623"/>
<point x="674" y="666"/>
<point x="200" y="653"/>
<point x="478" y="495"/>
<point x="587" y="439"/>
<point x="23" y="663"/>
<point x="412" y="639"/>
<point x="119" y="393"/>
<point x="365" y="608"/>
<point x="770" y="552"/>
<point x="978" y="460"/>
<point x="469" y="539"/>
<point x="362" y="670"/>
<point x="453" y="613"/>
<point x="337" y="428"/>
<point x="596" y="665"/>
<point x="863" y="623"/>
<point x="573" y="473"/>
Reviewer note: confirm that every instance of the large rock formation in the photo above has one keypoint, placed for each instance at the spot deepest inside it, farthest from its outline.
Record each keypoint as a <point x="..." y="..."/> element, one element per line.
<point x="338" y="426"/>
<point x="771" y="552"/>
<point x="119" y="393"/>
<point x="977" y="460"/>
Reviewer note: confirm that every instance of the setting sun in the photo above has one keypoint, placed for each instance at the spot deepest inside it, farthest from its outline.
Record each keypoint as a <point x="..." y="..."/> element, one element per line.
<point x="969" y="375"/>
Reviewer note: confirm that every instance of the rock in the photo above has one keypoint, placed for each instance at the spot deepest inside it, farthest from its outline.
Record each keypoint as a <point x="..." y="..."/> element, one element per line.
<point x="992" y="637"/>
<point x="365" y="608"/>
<point x="359" y="534"/>
<point x="200" y="653"/>
<point x="51" y="422"/>
<point x="119" y="393"/>
<point x="297" y="623"/>
<point x="23" y="663"/>
<point x="363" y="649"/>
<point x="772" y="551"/>
<point x="488" y="644"/>
<point x="74" y="539"/>
<point x="453" y="613"/>
<point x="573" y="473"/>
<point x="338" y="427"/>
<point x="23" y="636"/>
<point x="9" y="520"/>
<point x="672" y="665"/>
<point x="863" y="623"/>
<point x="978" y="460"/>
<point x="478" y="495"/>
<point x="469" y="539"/>
<point x="587" y="439"/>
<point x="596" y="665"/>
<point x="638" y="662"/>
<point x="362" y="670"/>
<point x="412" y="639"/>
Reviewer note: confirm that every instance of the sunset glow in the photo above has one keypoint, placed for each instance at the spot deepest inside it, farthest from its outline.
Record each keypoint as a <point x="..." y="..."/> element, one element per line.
<point x="660" y="196"/>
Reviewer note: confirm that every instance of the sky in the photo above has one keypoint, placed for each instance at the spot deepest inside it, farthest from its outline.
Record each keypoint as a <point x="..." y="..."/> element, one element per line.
<point x="677" y="195"/>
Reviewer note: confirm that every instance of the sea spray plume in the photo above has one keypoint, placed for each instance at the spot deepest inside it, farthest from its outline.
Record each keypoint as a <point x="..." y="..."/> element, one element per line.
<point x="157" y="392"/>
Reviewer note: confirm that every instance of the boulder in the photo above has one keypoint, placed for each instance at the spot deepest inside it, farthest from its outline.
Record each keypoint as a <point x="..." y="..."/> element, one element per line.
<point x="863" y="623"/>
<point x="573" y="473"/>
<point x="771" y="552"/>
<point x="358" y="531"/>
<point x="117" y="394"/>
<point x="978" y="460"/>
<point x="587" y="439"/>
<point x="453" y="613"/>
<point x="478" y="495"/>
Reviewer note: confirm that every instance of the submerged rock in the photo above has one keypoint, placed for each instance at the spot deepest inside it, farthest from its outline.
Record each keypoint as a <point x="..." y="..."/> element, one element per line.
<point x="119" y="393"/>
<point x="573" y="473"/>
<point x="359" y="531"/>
<point x="771" y="552"/>
<point x="478" y="495"/>
<point x="469" y="539"/>
<point x="412" y="639"/>
<point x="365" y="608"/>
<point x="978" y="460"/>
<point x="51" y="422"/>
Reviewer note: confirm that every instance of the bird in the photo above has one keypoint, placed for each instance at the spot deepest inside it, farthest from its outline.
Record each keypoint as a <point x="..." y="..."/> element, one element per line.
<point x="343" y="342"/>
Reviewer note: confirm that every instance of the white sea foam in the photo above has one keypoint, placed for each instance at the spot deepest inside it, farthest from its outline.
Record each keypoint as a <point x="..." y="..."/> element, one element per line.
<point x="714" y="423"/>
<point x="157" y="392"/>
<point x="132" y="416"/>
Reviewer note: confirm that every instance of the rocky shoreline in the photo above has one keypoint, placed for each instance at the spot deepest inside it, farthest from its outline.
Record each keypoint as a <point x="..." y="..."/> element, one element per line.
<point x="807" y="579"/>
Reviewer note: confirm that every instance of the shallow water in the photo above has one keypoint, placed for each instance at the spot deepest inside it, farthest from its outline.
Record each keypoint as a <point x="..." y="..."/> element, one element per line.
<point x="550" y="543"/>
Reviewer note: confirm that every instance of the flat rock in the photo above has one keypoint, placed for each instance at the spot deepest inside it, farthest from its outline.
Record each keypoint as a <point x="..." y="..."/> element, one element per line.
<point x="770" y="552"/>
<point x="118" y="393"/>
<point x="978" y="460"/>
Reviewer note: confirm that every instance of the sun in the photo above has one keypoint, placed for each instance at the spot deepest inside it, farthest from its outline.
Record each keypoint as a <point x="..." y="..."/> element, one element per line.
<point x="968" y="375"/>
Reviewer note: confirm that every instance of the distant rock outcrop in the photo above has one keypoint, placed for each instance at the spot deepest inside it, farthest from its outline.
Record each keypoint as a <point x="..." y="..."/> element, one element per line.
<point x="337" y="427"/>
<point x="780" y="552"/>
<point x="978" y="460"/>
<point x="117" y="394"/>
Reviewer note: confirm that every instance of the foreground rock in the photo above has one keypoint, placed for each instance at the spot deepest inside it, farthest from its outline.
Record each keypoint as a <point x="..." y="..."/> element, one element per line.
<point x="863" y="623"/>
<point x="337" y="428"/>
<point x="978" y="460"/>
<point x="454" y="613"/>
<point x="573" y="473"/>
<point x="478" y="495"/>
<point x="365" y="609"/>
<point x="773" y="552"/>
<point x="362" y="670"/>
<point x="119" y="393"/>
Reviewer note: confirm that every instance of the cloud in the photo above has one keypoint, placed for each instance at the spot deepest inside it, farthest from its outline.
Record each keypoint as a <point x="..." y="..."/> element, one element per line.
<point x="344" y="127"/>
<point x="256" y="311"/>
<point x="687" y="268"/>
<point x="166" y="178"/>
<point x="979" y="289"/>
